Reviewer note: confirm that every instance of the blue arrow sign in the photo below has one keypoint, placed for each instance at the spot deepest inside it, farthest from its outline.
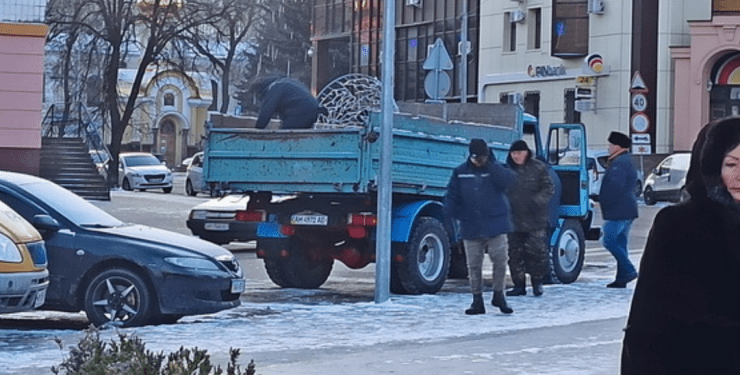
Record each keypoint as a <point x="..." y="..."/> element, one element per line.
<point x="439" y="58"/>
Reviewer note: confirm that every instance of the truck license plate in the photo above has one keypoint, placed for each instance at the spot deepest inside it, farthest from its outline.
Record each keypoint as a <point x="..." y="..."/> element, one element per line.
<point x="308" y="219"/>
<point x="220" y="227"/>
<point x="237" y="286"/>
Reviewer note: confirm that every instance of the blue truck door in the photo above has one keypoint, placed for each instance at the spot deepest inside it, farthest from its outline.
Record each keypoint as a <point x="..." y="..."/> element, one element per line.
<point x="566" y="153"/>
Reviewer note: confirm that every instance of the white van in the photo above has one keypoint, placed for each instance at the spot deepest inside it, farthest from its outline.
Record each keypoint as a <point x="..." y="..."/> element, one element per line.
<point x="668" y="180"/>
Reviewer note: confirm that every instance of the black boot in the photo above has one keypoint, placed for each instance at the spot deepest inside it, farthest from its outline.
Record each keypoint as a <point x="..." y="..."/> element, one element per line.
<point x="477" y="306"/>
<point x="500" y="301"/>
<point x="517" y="291"/>
<point x="537" y="288"/>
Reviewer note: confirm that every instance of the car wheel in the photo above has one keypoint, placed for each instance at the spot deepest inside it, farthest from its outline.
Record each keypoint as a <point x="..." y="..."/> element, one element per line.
<point x="189" y="189"/>
<point x="118" y="295"/>
<point x="167" y="190"/>
<point x="649" y="196"/>
<point x="427" y="262"/>
<point x="126" y="185"/>
<point x="569" y="252"/>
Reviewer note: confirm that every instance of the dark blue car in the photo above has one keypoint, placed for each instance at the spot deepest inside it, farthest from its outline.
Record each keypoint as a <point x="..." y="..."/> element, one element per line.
<point x="117" y="272"/>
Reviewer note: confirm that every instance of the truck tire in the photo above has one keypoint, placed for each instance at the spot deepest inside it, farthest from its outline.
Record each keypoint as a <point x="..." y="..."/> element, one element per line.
<point x="458" y="263"/>
<point x="427" y="258"/>
<point x="275" y="271"/>
<point x="304" y="271"/>
<point x="569" y="252"/>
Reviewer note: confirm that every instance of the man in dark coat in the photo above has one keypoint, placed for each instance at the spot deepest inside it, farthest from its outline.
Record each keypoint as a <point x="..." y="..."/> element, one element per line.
<point x="685" y="312"/>
<point x="619" y="206"/>
<point x="290" y="99"/>
<point x="530" y="203"/>
<point x="476" y="196"/>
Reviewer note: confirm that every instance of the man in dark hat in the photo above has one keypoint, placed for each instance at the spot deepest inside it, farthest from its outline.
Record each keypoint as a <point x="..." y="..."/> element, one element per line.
<point x="619" y="206"/>
<point x="530" y="207"/>
<point x="476" y="196"/>
<point x="287" y="98"/>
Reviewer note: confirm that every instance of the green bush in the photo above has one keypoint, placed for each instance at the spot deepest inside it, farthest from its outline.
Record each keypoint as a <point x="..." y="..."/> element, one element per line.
<point x="129" y="356"/>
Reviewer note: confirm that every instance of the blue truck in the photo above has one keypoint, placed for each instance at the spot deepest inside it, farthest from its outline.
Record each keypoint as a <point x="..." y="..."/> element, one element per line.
<point x="313" y="192"/>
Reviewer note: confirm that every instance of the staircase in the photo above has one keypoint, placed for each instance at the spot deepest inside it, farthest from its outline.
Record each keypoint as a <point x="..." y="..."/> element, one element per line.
<point x="67" y="162"/>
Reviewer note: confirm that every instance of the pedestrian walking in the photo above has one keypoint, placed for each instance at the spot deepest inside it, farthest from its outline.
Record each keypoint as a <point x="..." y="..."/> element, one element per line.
<point x="685" y="312"/>
<point x="476" y="196"/>
<point x="287" y="98"/>
<point x="619" y="206"/>
<point x="530" y="203"/>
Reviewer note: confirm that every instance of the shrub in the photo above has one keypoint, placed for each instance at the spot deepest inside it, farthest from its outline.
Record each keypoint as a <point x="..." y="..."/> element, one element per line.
<point x="129" y="355"/>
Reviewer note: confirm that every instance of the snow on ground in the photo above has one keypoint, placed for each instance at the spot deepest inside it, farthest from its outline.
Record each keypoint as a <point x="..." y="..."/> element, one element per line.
<point x="303" y="321"/>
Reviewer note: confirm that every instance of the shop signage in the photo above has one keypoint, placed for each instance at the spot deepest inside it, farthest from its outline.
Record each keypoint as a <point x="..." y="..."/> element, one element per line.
<point x="546" y="70"/>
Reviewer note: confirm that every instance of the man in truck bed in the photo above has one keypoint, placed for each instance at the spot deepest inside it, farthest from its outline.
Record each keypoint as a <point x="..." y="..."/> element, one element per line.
<point x="290" y="99"/>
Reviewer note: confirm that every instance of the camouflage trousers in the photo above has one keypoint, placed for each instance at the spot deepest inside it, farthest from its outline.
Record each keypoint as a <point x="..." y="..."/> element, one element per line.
<point x="528" y="253"/>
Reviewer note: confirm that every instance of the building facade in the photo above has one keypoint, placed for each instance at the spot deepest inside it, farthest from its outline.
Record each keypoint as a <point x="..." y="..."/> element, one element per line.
<point x="22" y="36"/>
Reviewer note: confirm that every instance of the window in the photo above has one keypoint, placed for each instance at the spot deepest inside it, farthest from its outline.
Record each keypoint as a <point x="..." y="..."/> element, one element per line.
<point x="169" y="99"/>
<point x="570" y="28"/>
<point x="509" y="32"/>
<point x="534" y="26"/>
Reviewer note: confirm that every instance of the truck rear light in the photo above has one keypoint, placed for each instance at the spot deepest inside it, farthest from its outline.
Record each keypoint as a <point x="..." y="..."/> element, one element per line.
<point x="261" y="253"/>
<point x="399" y="258"/>
<point x="255" y="215"/>
<point x="284" y="253"/>
<point x="287" y="230"/>
<point x="362" y="219"/>
<point x="357" y="231"/>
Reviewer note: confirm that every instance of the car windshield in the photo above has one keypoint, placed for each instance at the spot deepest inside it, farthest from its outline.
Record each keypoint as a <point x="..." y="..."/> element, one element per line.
<point x="71" y="205"/>
<point x="141" y="160"/>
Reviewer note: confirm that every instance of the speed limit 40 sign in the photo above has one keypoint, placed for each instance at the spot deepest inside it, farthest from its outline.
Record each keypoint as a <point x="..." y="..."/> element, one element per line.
<point x="639" y="102"/>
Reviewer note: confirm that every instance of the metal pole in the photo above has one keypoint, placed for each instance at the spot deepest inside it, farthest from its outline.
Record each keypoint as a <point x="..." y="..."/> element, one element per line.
<point x="383" y="237"/>
<point x="464" y="54"/>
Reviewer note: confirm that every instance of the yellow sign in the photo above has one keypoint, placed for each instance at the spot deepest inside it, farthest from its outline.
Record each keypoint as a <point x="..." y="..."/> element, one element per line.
<point x="585" y="80"/>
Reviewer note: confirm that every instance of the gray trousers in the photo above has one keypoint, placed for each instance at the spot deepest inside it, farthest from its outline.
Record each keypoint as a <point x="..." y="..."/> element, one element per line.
<point x="498" y="252"/>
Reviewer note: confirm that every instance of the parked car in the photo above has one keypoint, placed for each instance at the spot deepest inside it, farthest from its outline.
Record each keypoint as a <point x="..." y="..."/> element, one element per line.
<point x="117" y="272"/>
<point x="142" y="171"/>
<point x="194" y="176"/>
<point x="668" y="180"/>
<point x="223" y="220"/>
<point x="24" y="278"/>
<point x="596" y="165"/>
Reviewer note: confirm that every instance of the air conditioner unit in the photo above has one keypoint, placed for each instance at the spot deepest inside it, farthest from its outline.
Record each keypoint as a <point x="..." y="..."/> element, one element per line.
<point x="415" y="3"/>
<point x="596" y="6"/>
<point x="516" y="16"/>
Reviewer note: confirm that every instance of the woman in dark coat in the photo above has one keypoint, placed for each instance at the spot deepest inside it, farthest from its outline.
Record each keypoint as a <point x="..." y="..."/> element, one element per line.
<point x="685" y="313"/>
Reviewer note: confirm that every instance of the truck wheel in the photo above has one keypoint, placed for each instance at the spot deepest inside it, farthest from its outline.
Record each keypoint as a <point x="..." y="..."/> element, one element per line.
<point x="275" y="270"/>
<point x="569" y="252"/>
<point x="303" y="270"/>
<point x="427" y="258"/>
<point x="458" y="263"/>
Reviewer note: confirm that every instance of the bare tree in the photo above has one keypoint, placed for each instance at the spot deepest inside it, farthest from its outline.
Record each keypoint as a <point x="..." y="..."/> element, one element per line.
<point x="147" y="26"/>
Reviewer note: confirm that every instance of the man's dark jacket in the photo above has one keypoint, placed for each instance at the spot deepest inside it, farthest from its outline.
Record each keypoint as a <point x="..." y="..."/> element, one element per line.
<point x="477" y="197"/>
<point x="531" y="195"/>
<point x="297" y="108"/>
<point x="685" y="313"/>
<point x="617" y="195"/>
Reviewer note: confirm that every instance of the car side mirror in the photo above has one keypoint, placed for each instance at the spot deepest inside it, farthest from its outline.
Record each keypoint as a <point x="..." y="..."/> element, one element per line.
<point x="46" y="223"/>
<point x="655" y="172"/>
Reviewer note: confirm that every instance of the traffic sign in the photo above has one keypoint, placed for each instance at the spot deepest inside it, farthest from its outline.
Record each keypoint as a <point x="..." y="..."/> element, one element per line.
<point x="640" y="149"/>
<point x="439" y="58"/>
<point x="638" y="84"/>
<point x="639" y="122"/>
<point x="641" y="138"/>
<point x="639" y="102"/>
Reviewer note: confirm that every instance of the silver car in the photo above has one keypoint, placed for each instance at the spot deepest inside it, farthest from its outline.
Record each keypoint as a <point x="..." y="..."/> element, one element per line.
<point x="668" y="180"/>
<point x="142" y="171"/>
<point x="194" y="176"/>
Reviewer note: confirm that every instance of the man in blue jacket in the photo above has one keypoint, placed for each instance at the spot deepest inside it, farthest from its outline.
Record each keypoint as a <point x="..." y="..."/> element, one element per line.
<point x="619" y="206"/>
<point x="476" y="196"/>
<point x="290" y="99"/>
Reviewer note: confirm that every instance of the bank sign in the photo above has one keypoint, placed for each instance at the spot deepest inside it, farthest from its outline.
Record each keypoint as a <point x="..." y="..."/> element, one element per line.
<point x="546" y="70"/>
